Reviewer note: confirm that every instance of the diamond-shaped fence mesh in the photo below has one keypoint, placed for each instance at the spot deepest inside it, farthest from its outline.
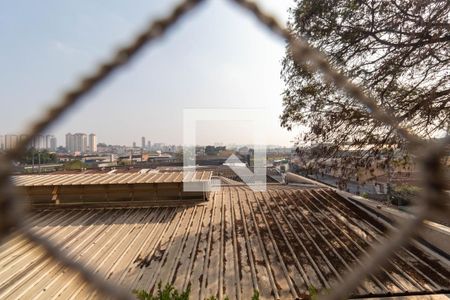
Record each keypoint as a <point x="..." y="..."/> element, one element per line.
<point x="430" y="154"/>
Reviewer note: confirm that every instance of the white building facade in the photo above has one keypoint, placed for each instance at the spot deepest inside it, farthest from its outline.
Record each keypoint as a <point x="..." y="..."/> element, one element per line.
<point x="76" y="142"/>
<point x="93" y="143"/>
<point x="11" y="141"/>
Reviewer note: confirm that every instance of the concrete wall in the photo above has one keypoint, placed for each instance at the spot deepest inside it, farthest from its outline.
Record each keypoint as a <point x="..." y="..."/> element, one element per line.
<point x="106" y="195"/>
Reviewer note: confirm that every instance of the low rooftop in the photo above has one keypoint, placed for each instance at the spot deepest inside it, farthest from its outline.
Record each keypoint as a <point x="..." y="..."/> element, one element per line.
<point x="110" y="178"/>
<point x="280" y="242"/>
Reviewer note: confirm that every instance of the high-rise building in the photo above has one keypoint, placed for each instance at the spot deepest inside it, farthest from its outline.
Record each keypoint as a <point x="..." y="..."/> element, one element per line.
<point x="76" y="142"/>
<point x="80" y="142"/>
<point x="149" y="145"/>
<point x="50" y="142"/>
<point x="48" y="137"/>
<point x="38" y="142"/>
<point x="143" y="142"/>
<point x="70" y="142"/>
<point x="134" y="144"/>
<point x="23" y="137"/>
<point x="92" y="143"/>
<point x="158" y="146"/>
<point x="53" y="144"/>
<point x="11" y="141"/>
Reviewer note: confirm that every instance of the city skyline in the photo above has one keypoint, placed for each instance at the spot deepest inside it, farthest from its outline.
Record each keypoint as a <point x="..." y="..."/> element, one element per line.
<point x="41" y="141"/>
<point x="49" y="142"/>
<point x="219" y="59"/>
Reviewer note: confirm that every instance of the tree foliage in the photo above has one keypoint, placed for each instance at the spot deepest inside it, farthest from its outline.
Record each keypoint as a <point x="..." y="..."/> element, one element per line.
<point x="169" y="292"/>
<point x="75" y="165"/>
<point x="38" y="156"/>
<point x="404" y="194"/>
<point x="397" y="50"/>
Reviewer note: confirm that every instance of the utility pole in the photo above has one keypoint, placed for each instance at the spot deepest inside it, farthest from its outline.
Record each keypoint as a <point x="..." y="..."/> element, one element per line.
<point x="32" y="160"/>
<point x="39" y="162"/>
<point x="448" y="135"/>
<point x="390" y="156"/>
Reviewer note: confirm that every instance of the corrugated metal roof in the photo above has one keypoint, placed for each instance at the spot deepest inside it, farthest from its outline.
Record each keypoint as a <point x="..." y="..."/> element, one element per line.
<point x="280" y="242"/>
<point x="113" y="178"/>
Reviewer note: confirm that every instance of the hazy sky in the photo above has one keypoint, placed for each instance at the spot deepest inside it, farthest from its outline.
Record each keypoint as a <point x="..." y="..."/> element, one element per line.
<point x="217" y="57"/>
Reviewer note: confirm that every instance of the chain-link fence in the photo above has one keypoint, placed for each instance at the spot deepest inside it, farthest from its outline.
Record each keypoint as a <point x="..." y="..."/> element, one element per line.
<point x="429" y="153"/>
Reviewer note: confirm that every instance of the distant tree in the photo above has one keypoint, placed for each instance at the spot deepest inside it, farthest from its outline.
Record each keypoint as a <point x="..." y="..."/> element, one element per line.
<point x="213" y="150"/>
<point x="61" y="149"/>
<point x="404" y="194"/>
<point x="178" y="156"/>
<point x="398" y="50"/>
<point x="124" y="162"/>
<point x="168" y="292"/>
<point x="101" y="145"/>
<point x="75" y="165"/>
<point x="38" y="156"/>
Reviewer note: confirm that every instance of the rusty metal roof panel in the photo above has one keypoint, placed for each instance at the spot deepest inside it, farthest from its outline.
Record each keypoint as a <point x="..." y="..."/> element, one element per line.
<point x="89" y="178"/>
<point x="206" y="176"/>
<point x="198" y="176"/>
<point x="130" y="179"/>
<point x="188" y="176"/>
<point x="100" y="178"/>
<point x="144" y="178"/>
<point x="68" y="179"/>
<point x="157" y="178"/>
<point x="281" y="242"/>
<point x="119" y="178"/>
<point x="179" y="177"/>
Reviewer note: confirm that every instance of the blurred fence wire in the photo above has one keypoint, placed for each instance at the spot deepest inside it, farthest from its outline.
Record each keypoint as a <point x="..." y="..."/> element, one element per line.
<point x="430" y="154"/>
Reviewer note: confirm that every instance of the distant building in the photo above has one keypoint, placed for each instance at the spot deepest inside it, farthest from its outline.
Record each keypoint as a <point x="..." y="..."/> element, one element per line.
<point x="134" y="144"/>
<point x="50" y="142"/>
<point x="243" y="150"/>
<point x="69" y="142"/>
<point x="80" y="144"/>
<point x="23" y="137"/>
<point x="158" y="146"/>
<point x="2" y="142"/>
<point x="11" y="141"/>
<point x="38" y="142"/>
<point x="93" y="143"/>
<point x="48" y="138"/>
<point x="143" y="142"/>
<point x="160" y="158"/>
<point x="149" y="145"/>
<point x="200" y="150"/>
<point x="214" y="150"/>
<point x="169" y="148"/>
<point x="133" y="157"/>
<point x="53" y="144"/>
<point x="76" y="142"/>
